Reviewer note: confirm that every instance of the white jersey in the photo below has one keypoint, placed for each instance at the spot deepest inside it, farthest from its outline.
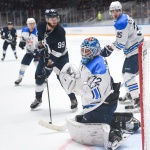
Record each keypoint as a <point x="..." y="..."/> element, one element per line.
<point x="128" y="36"/>
<point x="30" y="38"/>
<point x="98" y="87"/>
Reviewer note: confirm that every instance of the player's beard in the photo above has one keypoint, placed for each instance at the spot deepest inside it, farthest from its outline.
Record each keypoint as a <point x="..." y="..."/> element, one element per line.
<point x="52" y="26"/>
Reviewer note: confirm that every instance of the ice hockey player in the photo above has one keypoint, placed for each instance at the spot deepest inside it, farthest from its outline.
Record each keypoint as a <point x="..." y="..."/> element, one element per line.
<point x="29" y="40"/>
<point x="99" y="94"/>
<point x="9" y="35"/>
<point x="52" y="44"/>
<point x="128" y="39"/>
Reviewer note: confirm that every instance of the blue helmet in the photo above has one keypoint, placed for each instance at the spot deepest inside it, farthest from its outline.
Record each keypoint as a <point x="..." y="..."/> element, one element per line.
<point x="90" y="48"/>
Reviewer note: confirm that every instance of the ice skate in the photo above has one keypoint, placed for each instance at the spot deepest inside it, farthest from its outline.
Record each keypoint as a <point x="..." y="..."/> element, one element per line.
<point x="74" y="105"/>
<point x="36" y="103"/>
<point x="116" y="137"/>
<point x="127" y="99"/>
<point x="135" y="107"/>
<point x="2" y="59"/>
<point x="18" y="81"/>
<point x="16" y="56"/>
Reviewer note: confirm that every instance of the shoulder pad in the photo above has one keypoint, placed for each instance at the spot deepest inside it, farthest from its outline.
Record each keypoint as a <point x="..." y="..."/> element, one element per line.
<point x="26" y="29"/>
<point x="122" y="22"/>
<point x="97" y="66"/>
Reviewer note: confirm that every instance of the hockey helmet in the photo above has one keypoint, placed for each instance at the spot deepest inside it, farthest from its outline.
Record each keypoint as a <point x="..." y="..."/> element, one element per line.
<point x="10" y="23"/>
<point x="30" y="20"/>
<point x="116" y="5"/>
<point x="51" y="13"/>
<point x="90" y="48"/>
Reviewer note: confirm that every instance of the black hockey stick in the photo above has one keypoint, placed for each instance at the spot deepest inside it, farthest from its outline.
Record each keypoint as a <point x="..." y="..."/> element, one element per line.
<point x="50" y="114"/>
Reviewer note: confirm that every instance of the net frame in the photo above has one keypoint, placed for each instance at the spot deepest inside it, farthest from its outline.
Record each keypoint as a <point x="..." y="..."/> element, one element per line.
<point x="144" y="81"/>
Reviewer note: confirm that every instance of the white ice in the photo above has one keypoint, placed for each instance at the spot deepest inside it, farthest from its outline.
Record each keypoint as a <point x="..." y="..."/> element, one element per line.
<point x="19" y="129"/>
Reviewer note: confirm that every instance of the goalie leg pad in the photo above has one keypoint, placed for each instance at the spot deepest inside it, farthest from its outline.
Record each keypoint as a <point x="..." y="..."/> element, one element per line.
<point x="126" y="122"/>
<point x="96" y="134"/>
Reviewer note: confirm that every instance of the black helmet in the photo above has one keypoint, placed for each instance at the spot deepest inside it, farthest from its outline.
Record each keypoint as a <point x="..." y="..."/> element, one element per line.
<point x="10" y="23"/>
<point x="51" y="13"/>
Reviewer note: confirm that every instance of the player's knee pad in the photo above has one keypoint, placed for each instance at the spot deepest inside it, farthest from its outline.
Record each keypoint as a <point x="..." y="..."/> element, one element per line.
<point x="40" y="79"/>
<point x="125" y="121"/>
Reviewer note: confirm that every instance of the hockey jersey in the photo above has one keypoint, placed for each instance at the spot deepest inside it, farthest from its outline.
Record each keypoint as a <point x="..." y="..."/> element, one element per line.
<point x="94" y="84"/>
<point x="10" y="35"/>
<point x="30" y="38"/>
<point x="55" y="40"/>
<point x="128" y="36"/>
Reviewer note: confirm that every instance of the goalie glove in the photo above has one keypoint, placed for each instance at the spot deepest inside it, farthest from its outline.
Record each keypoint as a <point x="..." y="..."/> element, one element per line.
<point x="68" y="77"/>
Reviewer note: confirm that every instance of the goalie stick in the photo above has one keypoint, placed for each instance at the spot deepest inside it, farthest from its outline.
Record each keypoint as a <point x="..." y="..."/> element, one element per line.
<point x="54" y="127"/>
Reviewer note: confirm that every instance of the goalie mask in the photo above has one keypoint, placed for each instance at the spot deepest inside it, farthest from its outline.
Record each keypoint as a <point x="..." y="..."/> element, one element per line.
<point x="90" y="48"/>
<point x="52" y="17"/>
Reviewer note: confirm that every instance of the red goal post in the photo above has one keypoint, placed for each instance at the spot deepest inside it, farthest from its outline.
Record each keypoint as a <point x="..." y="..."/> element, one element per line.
<point x="144" y="81"/>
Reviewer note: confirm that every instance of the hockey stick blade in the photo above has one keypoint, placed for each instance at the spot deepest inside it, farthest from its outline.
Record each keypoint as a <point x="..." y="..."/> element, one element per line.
<point x="53" y="126"/>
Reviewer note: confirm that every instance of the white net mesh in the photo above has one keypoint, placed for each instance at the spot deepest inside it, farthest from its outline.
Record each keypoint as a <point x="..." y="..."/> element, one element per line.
<point x="146" y="93"/>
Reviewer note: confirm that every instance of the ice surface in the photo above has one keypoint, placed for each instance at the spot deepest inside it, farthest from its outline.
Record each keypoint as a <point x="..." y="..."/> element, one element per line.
<point x="19" y="129"/>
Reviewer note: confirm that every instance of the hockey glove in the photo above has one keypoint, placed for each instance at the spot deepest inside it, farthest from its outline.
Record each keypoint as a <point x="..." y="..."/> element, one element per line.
<point x="22" y="44"/>
<point x="106" y="51"/>
<point x="3" y="37"/>
<point x="36" y="55"/>
<point x="14" y="43"/>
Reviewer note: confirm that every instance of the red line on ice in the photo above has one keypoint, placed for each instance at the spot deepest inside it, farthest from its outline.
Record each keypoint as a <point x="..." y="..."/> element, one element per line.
<point x="63" y="147"/>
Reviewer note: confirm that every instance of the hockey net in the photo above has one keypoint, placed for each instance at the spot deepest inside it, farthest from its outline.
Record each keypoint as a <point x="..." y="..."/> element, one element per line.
<point x="144" y="76"/>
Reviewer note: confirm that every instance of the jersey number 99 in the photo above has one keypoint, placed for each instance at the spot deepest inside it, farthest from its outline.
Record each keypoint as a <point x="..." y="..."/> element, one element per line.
<point x="61" y="44"/>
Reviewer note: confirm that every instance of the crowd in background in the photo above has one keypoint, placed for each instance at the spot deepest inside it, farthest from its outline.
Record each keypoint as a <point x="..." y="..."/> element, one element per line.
<point x="79" y="10"/>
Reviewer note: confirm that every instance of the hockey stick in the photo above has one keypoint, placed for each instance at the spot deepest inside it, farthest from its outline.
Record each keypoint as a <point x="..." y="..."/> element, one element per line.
<point x="54" y="127"/>
<point x="125" y="83"/>
<point x="50" y="114"/>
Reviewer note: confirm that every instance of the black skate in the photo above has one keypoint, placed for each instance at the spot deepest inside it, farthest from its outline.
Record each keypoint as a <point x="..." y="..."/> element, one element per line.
<point x="36" y="103"/>
<point x="74" y="105"/>
<point x="135" y="107"/>
<point x="126" y="99"/>
<point x="18" y="81"/>
<point x="16" y="56"/>
<point x="2" y="59"/>
<point x="116" y="137"/>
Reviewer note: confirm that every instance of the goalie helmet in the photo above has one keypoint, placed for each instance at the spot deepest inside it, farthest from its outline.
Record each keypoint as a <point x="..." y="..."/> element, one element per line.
<point x="90" y="48"/>
<point x="116" y="5"/>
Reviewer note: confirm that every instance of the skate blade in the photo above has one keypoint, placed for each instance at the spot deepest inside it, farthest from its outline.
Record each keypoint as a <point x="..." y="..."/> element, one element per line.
<point x="131" y="108"/>
<point x="74" y="109"/>
<point x="125" y="102"/>
<point x="117" y="144"/>
<point x="34" y="109"/>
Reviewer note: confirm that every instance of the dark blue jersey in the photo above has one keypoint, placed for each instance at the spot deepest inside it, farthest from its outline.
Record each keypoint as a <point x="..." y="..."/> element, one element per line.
<point x="55" y="39"/>
<point x="10" y="35"/>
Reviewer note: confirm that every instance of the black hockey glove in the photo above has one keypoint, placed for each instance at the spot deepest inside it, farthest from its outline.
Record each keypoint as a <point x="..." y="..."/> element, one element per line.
<point x="22" y="44"/>
<point x="106" y="51"/>
<point x="36" y="54"/>
<point x="3" y="37"/>
<point x="14" y="43"/>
